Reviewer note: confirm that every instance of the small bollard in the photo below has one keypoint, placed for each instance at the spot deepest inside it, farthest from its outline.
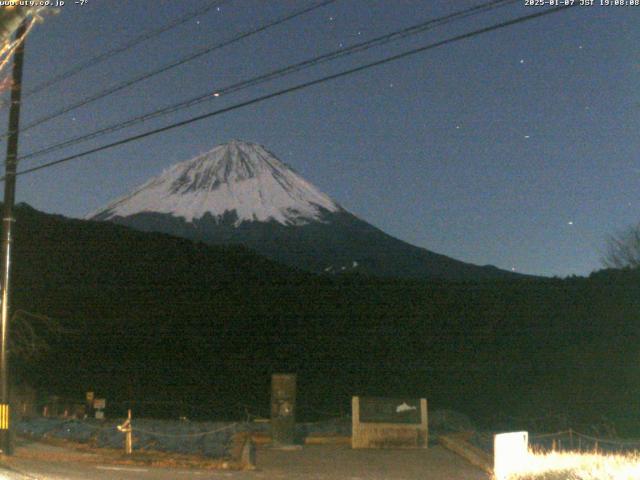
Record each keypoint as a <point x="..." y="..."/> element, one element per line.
<point x="128" y="434"/>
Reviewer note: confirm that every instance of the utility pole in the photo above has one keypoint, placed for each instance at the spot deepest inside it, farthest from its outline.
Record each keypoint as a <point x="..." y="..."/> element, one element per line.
<point x="7" y="223"/>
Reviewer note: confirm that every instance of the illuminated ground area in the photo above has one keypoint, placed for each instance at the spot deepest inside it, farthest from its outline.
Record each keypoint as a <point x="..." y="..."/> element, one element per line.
<point x="579" y="466"/>
<point x="322" y="462"/>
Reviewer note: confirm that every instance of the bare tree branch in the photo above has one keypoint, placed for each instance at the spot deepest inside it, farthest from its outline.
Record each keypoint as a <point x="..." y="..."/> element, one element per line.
<point x="31" y="333"/>
<point x="623" y="249"/>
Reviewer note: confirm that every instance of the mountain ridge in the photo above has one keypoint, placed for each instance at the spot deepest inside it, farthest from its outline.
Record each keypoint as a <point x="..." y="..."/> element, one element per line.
<point x="240" y="193"/>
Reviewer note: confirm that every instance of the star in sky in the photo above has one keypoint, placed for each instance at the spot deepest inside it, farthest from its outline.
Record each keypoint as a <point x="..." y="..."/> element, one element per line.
<point x="511" y="106"/>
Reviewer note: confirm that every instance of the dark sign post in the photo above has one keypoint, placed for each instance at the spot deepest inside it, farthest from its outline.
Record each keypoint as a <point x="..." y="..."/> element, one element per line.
<point x="283" y="409"/>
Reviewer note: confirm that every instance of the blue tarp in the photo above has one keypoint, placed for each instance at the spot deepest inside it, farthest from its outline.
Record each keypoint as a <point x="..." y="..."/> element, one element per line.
<point x="210" y="439"/>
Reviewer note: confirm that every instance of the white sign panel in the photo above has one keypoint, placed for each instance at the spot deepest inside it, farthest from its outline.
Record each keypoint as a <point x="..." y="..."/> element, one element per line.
<point x="510" y="451"/>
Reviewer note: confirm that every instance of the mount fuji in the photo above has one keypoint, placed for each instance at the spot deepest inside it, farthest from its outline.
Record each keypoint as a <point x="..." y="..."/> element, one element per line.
<point x="240" y="193"/>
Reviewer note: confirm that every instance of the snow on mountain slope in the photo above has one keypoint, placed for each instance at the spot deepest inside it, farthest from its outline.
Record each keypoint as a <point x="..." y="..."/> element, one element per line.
<point x="240" y="194"/>
<point x="238" y="177"/>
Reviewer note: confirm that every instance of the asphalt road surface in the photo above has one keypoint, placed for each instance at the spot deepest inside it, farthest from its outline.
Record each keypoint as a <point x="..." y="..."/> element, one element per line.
<point x="309" y="463"/>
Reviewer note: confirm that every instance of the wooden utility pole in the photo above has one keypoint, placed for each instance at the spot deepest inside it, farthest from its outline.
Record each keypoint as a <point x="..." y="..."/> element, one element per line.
<point x="7" y="225"/>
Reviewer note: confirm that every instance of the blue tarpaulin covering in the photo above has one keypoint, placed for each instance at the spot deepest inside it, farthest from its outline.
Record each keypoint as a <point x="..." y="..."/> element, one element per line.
<point x="210" y="439"/>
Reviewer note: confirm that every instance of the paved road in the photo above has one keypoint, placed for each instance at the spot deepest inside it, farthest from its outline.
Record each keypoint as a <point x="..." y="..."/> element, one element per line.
<point x="43" y="470"/>
<point x="309" y="463"/>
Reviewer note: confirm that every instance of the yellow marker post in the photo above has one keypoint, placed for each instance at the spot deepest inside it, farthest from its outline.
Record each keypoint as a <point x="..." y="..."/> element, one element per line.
<point x="4" y="416"/>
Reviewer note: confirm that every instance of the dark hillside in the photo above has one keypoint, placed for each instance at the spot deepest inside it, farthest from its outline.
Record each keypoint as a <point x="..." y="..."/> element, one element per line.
<point x="157" y="318"/>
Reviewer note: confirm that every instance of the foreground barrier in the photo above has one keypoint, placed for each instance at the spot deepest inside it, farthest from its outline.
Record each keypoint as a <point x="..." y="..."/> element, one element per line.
<point x="459" y="443"/>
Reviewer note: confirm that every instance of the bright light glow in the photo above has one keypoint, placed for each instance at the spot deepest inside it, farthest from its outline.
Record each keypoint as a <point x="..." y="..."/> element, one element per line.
<point x="510" y="452"/>
<point x="8" y="47"/>
<point x="578" y="466"/>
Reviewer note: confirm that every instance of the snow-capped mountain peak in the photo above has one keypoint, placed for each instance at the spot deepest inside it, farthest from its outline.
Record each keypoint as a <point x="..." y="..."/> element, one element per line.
<point x="238" y="178"/>
<point x="241" y="194"/>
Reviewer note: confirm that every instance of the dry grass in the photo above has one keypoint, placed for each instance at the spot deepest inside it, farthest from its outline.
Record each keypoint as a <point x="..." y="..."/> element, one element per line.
<point x="579" y="466"/>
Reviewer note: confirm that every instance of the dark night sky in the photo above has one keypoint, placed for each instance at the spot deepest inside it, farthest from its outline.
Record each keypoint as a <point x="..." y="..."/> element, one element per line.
<point x="517" y="148"/>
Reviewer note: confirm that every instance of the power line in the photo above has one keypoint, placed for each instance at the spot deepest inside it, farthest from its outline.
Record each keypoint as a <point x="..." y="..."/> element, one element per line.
<point x="122" y="48"/>
<point x="165" y="68"/>
<point x="278" y="73"/>
<point x="298" y="87"/>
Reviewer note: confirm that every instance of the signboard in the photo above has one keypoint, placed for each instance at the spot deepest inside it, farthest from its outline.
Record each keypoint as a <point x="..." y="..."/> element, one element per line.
<point x="390" y="410"/>
<point x="389" y="422"/>
<point x="90" y="397"/>
<point x="99" y="403"/>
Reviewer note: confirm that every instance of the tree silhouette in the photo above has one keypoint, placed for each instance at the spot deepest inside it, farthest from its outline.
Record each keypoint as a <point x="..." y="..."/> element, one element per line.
<point x="31" y="333"/>
<point x="623" y="249"/>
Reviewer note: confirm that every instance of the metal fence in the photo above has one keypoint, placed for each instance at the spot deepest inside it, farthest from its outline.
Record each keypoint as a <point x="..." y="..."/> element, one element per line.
<point x="571" y="440"/>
